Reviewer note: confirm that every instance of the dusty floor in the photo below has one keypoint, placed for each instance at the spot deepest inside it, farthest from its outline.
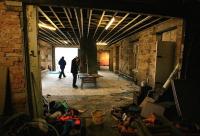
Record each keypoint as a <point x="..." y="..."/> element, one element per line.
<point x="111" y="91"/>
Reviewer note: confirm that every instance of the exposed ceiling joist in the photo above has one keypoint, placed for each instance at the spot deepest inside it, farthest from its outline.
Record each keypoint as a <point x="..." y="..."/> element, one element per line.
<point x="57" y="17"/>
<point x="47" y="40"/>
<point x="90" y="16"/>
<point x="70" y="23"/>
<point x="152" y="7"/>
<point x="54" y="25"/>
<point x="49" y="35"/>
<point x="99" y="23"/>
<point x="132" y="32"/>
<point x="79" y="22"/>
<point x="116" y="25"/>
<point x="81" y="16"/>
<point x="122" y="28"/>
<point x="70" y="14"/>
<point x="141" y="21"/>
<point x="105" y="29"/>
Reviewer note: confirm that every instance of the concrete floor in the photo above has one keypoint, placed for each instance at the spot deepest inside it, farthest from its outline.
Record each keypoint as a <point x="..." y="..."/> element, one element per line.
<point x="111" y="91"/>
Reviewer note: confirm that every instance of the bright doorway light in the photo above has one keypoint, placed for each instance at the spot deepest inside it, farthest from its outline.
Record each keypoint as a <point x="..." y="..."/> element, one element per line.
<point x="68" y="53"/>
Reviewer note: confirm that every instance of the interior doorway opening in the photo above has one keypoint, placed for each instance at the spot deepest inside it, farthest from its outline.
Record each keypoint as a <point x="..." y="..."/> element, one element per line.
<point x="68" y="54"/>
<point x="103" y="61"/>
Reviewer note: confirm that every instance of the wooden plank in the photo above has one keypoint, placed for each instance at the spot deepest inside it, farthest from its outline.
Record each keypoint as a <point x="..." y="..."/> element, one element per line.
<point x="3" y="84"/>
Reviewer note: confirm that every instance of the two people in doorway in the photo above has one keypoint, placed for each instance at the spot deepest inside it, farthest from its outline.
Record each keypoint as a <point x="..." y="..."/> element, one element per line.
<point x="74" y="70"/>
<point x="62" y="64"/>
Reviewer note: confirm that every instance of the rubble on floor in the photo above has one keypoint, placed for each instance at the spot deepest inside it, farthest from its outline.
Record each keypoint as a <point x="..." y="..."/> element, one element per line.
<point x="131" y="123"/>
<point x="130" y="113"/>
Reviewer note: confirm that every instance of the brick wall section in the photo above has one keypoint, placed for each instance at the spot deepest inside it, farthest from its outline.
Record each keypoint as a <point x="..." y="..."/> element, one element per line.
<point x="146" y="57"/>
<point x="11" y="55"/>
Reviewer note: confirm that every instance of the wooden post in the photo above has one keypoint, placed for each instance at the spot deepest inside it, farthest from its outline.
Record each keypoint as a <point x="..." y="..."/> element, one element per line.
<point x="53" y="59"/>
<point x="34" y="57"/>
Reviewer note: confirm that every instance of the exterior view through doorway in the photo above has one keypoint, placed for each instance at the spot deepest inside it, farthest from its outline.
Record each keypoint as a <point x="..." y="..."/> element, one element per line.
<point x="68" y="54"/>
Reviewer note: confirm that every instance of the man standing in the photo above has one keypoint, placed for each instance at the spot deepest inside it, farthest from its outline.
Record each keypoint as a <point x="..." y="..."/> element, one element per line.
<point x="62" y="64"/>
<point x="74" y="70"/>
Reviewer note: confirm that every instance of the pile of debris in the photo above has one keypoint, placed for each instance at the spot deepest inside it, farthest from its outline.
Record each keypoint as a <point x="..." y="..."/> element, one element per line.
<point x="65" y="119"/>
<point x="59" y="120"/>
<point x="163" y="111"/>
<point x="148" y="119"/>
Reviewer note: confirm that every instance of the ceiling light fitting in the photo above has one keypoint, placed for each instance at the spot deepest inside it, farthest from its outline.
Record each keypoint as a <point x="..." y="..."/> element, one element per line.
<point x="110" y="23"/>
<point x="101" y="43"/>
<point x="46" y="26"/>
<point x="66" y="42"/>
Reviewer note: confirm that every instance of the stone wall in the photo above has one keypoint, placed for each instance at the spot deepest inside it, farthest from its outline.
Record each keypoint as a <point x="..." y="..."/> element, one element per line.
<point x="111" y="60"/>
<point x="11" y="54"/>
<point x="145" y="59"/>
<point x="115" y="56"/>
<point x="45" y="55"/>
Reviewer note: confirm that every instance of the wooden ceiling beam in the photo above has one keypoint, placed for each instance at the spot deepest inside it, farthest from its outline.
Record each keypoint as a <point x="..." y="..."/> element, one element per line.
<point x="90" y="17"/>
<point x="136" y="24"/>
<point x="70" y="23"/>
<point x="51" y="35"/>
<point x="135" y="30"/>
<point x="105" y="29"/>
<point x="99" y="23"/>
<point x="57" y="17"/>
<point x="78" y="23"/>
<point x="61" y="24"/>
<point x="43" y="39"/>
<point x="70" y="14"/>
<point x="49" y="40"/>
<point x="116" y="25"/>
<point x="40" y="10"/>
<point x="155" y="7"/>
<point x="81" y="18"/>
<point x="133" y="20"/>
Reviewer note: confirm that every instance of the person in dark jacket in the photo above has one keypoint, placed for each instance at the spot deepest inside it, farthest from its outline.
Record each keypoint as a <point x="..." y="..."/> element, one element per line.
<point x="62" y="64"/>
<point x="74" y="70"/>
